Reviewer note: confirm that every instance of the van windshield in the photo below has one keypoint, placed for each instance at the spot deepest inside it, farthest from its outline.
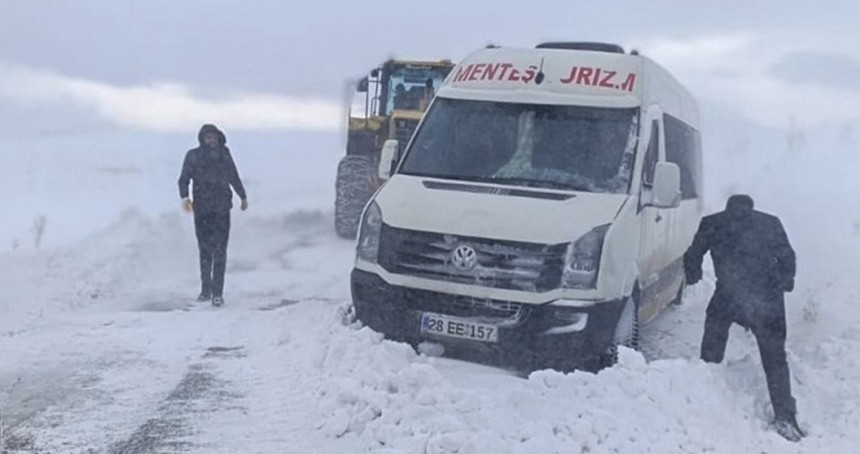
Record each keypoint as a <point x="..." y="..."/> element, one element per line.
<point x="548" y="146"/>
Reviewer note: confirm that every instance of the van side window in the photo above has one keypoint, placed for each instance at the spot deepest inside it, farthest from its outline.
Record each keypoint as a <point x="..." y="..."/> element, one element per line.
<point x="652" y="155"/>
<point x="682" y="146"/>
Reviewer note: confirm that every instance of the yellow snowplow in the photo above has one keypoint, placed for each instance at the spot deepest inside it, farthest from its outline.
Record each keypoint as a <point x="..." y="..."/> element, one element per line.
<point x="387" y="104"/>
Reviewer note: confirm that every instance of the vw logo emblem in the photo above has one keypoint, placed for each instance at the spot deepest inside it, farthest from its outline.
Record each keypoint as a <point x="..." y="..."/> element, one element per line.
<point x="464" y="258"/>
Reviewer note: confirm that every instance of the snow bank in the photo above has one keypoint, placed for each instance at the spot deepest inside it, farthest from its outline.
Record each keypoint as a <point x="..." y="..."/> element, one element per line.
<point x="383" y="397"/>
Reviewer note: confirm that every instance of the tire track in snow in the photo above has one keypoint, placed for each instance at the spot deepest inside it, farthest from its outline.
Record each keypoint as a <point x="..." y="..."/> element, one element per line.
<point x="199" y="391"/>
<point x="278" y="378"/>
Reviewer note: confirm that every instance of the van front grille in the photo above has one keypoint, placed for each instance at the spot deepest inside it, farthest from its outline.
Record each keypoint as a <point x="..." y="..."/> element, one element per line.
<point x="499" y="264"/>
<point x="464" y="306"/>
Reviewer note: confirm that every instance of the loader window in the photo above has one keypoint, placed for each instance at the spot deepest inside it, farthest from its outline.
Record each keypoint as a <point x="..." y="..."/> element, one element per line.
<point x="412" y="87"/>
<point x="563" y="147"/>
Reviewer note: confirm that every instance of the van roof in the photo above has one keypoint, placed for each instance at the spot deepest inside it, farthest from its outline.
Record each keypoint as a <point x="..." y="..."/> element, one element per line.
<point x="556" y="76"/>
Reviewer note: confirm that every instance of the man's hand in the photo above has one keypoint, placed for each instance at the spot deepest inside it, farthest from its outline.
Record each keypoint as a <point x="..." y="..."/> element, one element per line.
<point x="244" y="205"/>
<point x="188" y="205"/>
<point x="788" y="285"/>
<point x="693" y="276"/>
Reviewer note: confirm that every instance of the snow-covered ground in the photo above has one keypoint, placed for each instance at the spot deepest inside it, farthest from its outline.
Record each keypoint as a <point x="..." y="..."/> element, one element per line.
<point x="103" y="350"/>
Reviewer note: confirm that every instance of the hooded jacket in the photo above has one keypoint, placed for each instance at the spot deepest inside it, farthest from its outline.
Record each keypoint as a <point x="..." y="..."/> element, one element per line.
<point x="213" y="172"/>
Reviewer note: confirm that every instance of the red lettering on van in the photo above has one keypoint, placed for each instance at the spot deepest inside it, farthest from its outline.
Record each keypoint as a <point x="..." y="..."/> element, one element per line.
<point x="629" y="83"/>
<point x="599" y="77"/>
<point x="477" y="71"/>
<point x="571" y="77"/>
<point x="504" y="67"/>
<point x="607" y="80"/>
<point x="579" y="75"/>
<point x="584" y="77"/>
<point x="463" y="73"/>
<point x="530" y="74"/>
<point x="487" y="71"/>
<point x="490" y="71"/>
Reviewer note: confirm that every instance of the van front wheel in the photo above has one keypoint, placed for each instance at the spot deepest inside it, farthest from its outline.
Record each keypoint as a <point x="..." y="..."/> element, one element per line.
<point x="626" y="331"/>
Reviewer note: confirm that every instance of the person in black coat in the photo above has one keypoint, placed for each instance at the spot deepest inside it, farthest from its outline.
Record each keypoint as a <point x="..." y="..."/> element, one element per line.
<point x="210" y="166"/>
<point x="755" y="265"/>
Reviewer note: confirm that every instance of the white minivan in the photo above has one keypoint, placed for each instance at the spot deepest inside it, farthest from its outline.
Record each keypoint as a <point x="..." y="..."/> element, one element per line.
<point x="541" y="209"/>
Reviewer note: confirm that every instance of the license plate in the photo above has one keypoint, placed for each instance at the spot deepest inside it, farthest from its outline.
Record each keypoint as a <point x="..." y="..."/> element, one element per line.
<point x="443" y="325"/>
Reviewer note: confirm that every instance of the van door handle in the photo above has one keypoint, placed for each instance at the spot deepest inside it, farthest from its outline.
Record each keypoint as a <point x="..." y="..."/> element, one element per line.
<point x="658" y="218"/>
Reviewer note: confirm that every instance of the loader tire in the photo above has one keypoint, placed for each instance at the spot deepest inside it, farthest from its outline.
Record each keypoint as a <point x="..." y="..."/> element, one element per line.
<point x="353" y="188"/>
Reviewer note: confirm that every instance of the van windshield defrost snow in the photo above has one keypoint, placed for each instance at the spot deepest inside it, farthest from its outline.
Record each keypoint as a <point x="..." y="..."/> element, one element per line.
<point x="548" y="146"/>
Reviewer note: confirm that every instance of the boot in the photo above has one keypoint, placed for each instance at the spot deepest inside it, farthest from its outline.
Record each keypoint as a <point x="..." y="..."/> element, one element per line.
<point x="787" y="427"/>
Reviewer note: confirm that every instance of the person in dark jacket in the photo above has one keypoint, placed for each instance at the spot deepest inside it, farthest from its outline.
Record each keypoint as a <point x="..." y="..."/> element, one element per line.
<point x="755" y="265"/>
<point x="210" y="166"/>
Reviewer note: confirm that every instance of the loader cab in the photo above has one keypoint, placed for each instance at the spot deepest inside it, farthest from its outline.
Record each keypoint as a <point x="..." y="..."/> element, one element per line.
<point x="389" y="103"/>
<point x="398" y="85"/>
<point x="402" y="91"/>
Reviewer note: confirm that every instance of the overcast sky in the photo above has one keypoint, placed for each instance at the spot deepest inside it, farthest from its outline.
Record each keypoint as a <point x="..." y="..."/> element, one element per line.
<point x="167" y="65"/>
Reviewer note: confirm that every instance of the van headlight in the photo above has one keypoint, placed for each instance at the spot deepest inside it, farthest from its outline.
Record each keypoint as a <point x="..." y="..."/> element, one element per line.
<point x="369" y="232"/>
<point x="583" y="260"/>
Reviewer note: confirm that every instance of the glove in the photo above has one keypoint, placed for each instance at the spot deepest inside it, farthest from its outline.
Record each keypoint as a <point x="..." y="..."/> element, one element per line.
<point x="188" y="205"/>
<point x="693" y="276"/>
<point x="244" y="205"/>
<point x="787" y="285"/>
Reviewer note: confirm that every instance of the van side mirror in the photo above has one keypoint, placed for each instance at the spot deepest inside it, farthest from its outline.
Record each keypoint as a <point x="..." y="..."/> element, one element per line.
<point x="387" y="158"/>
<point x="666" y="192"/>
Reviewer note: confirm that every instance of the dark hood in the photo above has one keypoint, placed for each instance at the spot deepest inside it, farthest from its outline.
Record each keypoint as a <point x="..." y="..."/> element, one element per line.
<point x="222" y="139"/>
<point x="740" y="206"/>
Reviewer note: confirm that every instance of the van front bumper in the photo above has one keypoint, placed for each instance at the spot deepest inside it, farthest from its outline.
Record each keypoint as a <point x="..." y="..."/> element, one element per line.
<point x="562" y="335"/>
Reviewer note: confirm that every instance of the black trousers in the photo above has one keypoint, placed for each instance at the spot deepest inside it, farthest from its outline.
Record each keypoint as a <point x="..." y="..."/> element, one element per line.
<point x="764" y="314"/>
<point x="213" y="232"/>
